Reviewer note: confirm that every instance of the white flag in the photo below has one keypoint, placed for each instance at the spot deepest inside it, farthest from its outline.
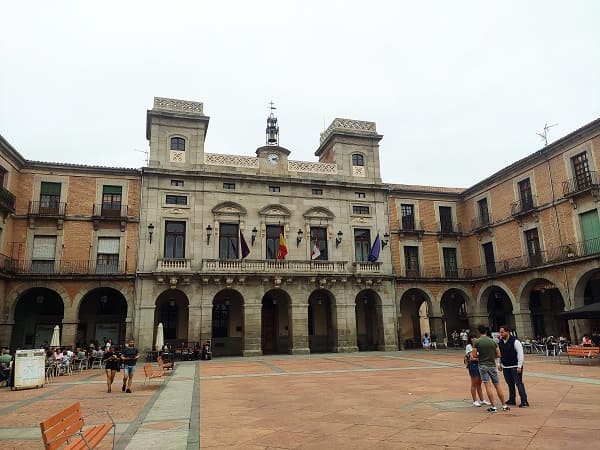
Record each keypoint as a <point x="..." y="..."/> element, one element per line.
<point x="315" y="251"/>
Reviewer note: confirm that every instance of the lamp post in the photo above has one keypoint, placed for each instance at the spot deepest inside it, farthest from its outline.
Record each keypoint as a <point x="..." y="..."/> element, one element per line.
<point x="150" y="232"/>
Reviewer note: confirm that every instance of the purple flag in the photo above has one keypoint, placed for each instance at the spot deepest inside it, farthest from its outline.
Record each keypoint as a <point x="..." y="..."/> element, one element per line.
<point x="244" y="246"/>
<point x="374" y="254"/>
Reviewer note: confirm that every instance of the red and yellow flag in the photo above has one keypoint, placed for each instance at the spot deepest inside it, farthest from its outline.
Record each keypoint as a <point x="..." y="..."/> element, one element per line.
<point x="282" y="247"/>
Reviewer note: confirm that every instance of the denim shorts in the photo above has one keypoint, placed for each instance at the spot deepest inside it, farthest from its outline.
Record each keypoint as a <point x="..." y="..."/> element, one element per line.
<point x="489" y="373"/>
<point x="129" y="370"/>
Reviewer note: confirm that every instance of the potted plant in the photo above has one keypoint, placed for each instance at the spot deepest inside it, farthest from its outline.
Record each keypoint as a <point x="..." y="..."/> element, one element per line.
<point x="570" y="252"/>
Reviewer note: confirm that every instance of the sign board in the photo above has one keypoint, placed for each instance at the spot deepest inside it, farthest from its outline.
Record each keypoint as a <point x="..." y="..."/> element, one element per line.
<point x="29" y="368"/>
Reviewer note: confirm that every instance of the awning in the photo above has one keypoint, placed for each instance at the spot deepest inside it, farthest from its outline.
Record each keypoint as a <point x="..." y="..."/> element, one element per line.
<point x="585" y="312"/>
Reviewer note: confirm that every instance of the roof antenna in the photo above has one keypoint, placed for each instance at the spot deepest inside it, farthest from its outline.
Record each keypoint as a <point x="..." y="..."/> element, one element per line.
<point x="145" y="152"/>
<point x="544" y="135"/>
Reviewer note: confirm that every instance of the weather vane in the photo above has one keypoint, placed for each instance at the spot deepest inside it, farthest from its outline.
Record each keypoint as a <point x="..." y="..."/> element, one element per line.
<point x="272" y="127"/>
<point x="544" y="135"/>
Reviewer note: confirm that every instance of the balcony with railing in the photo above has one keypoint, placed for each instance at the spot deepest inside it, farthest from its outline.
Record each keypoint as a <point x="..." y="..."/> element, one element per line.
<point x="109" y="211"/>
<point x="7" y="201"/>
<point x="47" y="209"/>
<point x="174" y="265"/>
<point x="582" y="183"/>
<point x="523" y="207"/>
<point x="410" y="225"/>
<point x="67" y="267"/>
<point x="364" y="267"/>
<point x="449" y="229"/>
<point x="273" y="266"/>
<point x="455" y="273"/>
<point x="481" y="222"/>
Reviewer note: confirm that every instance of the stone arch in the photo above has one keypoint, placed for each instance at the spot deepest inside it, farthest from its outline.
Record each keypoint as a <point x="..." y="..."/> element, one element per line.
<point x="369" y="320"/>
<point x="322" y="321"/>
<point x="318" y="213"/>
<point x="415" y="305"/>
<point x="455" y="307"/>
<point x="228" y="209"/>
<point x="540" y="300"/>
<point x="274" y="211"/>
<point x="275" y="321"/>
<point x="17" y="293"/>
<point x="498" y="303"/>
<point x="228" y="322"/>
<point x="102" y="313"/>
<point x="36" y="311"/>
<point x="171" y="308"/>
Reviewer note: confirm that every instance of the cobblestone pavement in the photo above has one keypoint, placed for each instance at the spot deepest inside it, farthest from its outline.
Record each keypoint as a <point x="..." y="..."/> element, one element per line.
<point x="410" y="399"/>
<point x="399" y="400"/>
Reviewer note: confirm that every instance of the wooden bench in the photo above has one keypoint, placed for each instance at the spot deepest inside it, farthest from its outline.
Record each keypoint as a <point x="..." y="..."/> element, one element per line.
<point x="153" y="374"/>
<point x="163" y="365"/>
<point x="579" y="351"/>
<point x="66" y="429"/>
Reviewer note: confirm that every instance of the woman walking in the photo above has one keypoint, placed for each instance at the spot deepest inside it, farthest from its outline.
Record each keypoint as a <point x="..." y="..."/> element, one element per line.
<point x="473" y="368"/>
<point x="112" y="364"/>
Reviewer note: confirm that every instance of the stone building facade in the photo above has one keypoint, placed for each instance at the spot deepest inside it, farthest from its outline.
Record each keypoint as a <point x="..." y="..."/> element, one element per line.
<point x="202" y="212"/>
<point x="68" y="239"/>
<point x="517" y="248"/>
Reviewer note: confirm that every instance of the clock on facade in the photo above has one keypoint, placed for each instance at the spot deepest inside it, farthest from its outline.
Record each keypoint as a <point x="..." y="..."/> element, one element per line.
<point x="273" y="158"/>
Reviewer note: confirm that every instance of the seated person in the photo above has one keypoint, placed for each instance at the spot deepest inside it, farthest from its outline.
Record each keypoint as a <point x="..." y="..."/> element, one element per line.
<point x="5" y="362"/>
<point x="586" y="341"/>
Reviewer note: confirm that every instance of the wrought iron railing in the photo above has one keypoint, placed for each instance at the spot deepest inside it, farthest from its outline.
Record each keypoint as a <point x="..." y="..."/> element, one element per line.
<point x="448" y="227"/>
<point x="66" y="267"/>
<point x="109" y="210"/>
<point x="523" y="206"/>
<point x="483" y="220"/>
<point x="410" y="224"/>
<point x="47" y="208"/>
<point x="583" y="182"/>
<point x="7" y="200"/>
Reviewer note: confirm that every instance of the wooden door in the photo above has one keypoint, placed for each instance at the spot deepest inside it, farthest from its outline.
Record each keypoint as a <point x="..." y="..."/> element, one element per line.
<point x="268" y="340"/>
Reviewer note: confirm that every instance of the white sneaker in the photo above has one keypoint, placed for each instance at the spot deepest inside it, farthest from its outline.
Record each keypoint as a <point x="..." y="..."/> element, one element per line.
<point x="485" y="402"/>
<point x="476" y="403"/>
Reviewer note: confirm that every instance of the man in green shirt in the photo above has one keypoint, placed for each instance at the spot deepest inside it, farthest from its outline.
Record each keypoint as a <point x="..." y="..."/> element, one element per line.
<point x="486" y="351"/>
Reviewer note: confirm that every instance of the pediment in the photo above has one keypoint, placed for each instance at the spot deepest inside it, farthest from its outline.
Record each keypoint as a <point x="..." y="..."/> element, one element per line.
<point x="318" y="213"/>
<point x="275" y="211"/>
<point x="229" y="209"/>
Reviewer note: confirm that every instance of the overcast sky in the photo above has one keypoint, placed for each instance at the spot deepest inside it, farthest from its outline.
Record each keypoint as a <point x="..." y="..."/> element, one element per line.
<point x="458" y="89"/>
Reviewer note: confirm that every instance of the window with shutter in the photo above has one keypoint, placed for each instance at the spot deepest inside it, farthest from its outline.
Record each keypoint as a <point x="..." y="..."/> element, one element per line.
<point x="44" y="251"/>
<point x="107" y="260"/>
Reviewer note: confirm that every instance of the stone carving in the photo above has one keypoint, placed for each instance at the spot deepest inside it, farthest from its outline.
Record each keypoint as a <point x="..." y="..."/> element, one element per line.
<point x="349" y="125"/>
<point x="171" y="104"/>
<point x="215" y="159"/>
<point x="177" y="156"/>
<point x="312" y="167"/>
<point x="358" y="171"/>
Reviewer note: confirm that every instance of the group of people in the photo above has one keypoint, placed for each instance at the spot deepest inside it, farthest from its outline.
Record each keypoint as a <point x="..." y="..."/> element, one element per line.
<point x="114" y="359"/>
<point x="485" y="358"/>
<point x="460" y="338"/>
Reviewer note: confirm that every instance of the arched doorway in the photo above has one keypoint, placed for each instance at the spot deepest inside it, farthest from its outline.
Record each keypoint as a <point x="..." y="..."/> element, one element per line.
<point x="321" y="323"/>
<point x="454" y="313"/>
<point x="499" y="309"/>
<point x="37" y="311"/>
<point x="369" y="320"/>
<point x="172" y="310"/>
<point x="227" y="323"/>
<point x="102" y="315"/>
<point x="275" y="322"/>
<point x="414" y="318"/>
<point x="545" y="302"/>
<point x="587" y="292"/>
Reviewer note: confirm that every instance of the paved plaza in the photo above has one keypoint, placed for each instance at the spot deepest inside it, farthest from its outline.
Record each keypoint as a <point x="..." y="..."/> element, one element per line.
<point x="397" y="400"/>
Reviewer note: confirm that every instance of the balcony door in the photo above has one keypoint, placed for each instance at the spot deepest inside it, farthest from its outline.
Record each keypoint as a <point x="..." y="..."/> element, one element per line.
<point x="408" y="217"/>
<point x="450" y="262"/>
<point x="49" y="198"/>
<point x="272" y="241"/>
<point x="174" y="240"/>
<point x="490" y="259"/>
<point x="533" y="247"/>
<point x="318" y="238"/>
<point x="446" y="219"/>
<point x="581" y="169"/>
<point x="111" y="201"/>
<point x="525" y="195"/>
<point x="228" y="241"/>
<point x="44" y="251"/>
<point x="362" y="244"/>
<point x="411" y="261"/>
<point x="590" y="228"/>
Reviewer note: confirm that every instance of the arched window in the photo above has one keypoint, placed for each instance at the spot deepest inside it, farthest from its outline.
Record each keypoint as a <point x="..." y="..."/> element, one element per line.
<point x="220" y="320"/>
<point x="177" y="143"/>
<point x="358" y="160"/>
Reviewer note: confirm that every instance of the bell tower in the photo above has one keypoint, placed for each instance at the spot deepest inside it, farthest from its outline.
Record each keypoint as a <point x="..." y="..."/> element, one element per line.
<point x="272" y="128"/>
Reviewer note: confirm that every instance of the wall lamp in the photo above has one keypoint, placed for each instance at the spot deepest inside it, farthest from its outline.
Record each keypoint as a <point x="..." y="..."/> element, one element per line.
<point x="254" y="233"/>
<point x="150" y="232"/>
<point x="299" y="238"/>
<point x="339" y="237"/>
<point x="386" y="239"/>
<point x="208" y="233"/>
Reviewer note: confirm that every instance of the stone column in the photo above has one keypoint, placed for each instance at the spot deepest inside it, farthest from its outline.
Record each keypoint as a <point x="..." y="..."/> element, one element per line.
<point x="252" y="330"/>
<point x="205" y="330"/>
<point x="145" y="331"/>
<point x="6" y="330"/>
<point x="388" y="322"/>
<point x="523" y="324"/>
<point x="298" y="329"/>
<point x="194" y="323"/>
<point x="68" y="334"/>
<point x="436" y="325"/>
<point x="346" y="328"/>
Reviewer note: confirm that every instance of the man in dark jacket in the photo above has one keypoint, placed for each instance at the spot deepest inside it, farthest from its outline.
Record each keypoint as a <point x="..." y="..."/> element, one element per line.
<point x="512" y="357"/>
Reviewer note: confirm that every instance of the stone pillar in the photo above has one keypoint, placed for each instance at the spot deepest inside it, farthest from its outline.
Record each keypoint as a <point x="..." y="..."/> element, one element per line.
<point x="346" y="328"/>
<point x="436" y="325"/>
<point x="68" y="334"/>
<point x="298" y="329"/>
<point x="128" y="330"/>
<point x="6" y="333"/>
<point x="194" y="324"/>
<point x="388" y="322"/>
<point x="523" y="325"/>
<point x="252" y="330"/>
<point x="145" y="331"/>
<point x="205" y="330"/>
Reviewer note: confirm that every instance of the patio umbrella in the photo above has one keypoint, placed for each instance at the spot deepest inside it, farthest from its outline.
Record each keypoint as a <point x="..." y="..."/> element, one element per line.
<point x="55" y="341"/>
<point x="585" y="312"/>
<point x="160" y="337"/>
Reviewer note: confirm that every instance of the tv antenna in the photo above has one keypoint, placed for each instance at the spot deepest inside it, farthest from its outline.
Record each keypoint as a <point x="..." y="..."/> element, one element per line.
<point x="145" y="152"/>
<point x="544" y="135"/>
